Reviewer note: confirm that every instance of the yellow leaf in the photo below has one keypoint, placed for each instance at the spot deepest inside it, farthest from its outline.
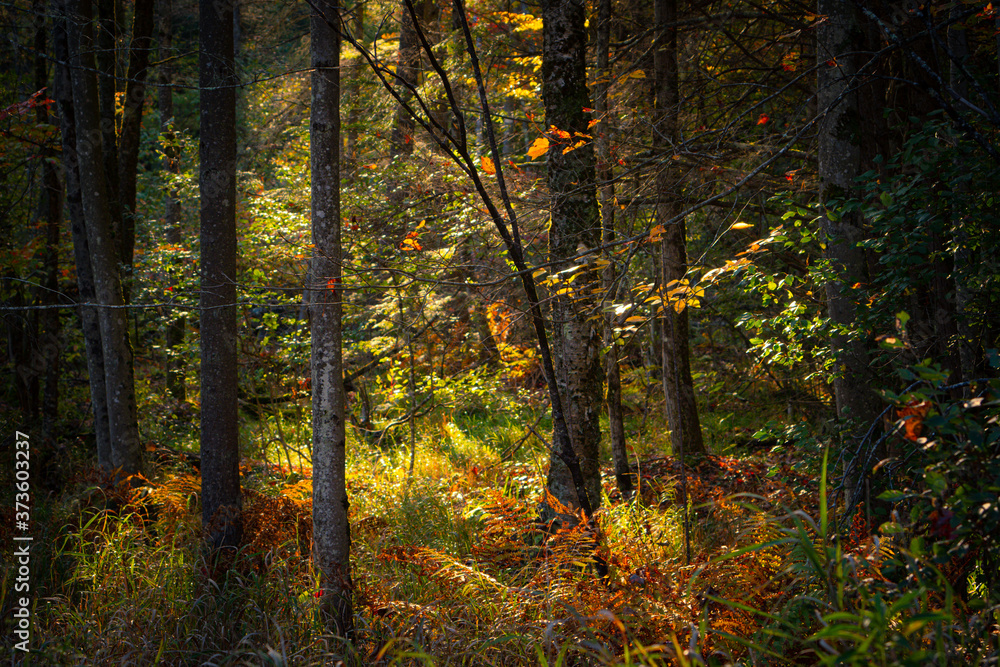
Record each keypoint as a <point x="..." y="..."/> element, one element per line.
<point x="562" y="134"/>
<point x="592" y="123"/>
<point x="638" y="74"/>
<point x="635" y="318"/>
<point x="741" y="225"/>
<point x="655" y="233"/>
<point x="488" y="165"/>
<point x="679" y="306"/>
<point x="539" y="148"/>
<point x="538" y="272"/>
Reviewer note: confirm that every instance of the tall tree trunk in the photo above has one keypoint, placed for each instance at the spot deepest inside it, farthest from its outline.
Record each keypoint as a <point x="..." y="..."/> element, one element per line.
<point x="89" y="321"/>
<point x="678" y="386"/>
<point x="177" y="322"/>
<point x="108" y="82"/>
<point x="131" y="125"/>
<point x="331" y="526"/>
<point x="839" y="164"/>
<point x="126" y="450"/>
<point x="575" y="227"/>
<point x="221" y="500"/>
<point x="609" y="277"/>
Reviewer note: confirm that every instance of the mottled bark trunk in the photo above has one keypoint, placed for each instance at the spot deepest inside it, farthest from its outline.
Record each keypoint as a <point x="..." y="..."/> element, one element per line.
<point x="331" y="527"/>
<point x="678" y="386"/>
<point x="177" y="322"/>
<point x="126" y="450"/>
<point x="575" y="226"/>
<point x="609" y="277"/>
<point x="220" y="455"/>
<point x="89" y="322"/>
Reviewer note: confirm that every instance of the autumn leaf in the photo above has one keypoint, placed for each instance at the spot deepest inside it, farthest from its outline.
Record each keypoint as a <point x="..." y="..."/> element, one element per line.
<point x="763" y="119"/>
<point x="488" y="165"/>
<point x="562" y="134"/>
<point x="538" y="148"/>
<point x="912" y="416"/>
<point x="655" y="233"/>
<point x="741" y="225"/>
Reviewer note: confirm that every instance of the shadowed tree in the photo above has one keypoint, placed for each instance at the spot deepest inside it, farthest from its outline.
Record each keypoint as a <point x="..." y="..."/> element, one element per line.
<point x="220" y="454"/>
<point x="123" y="432"/>
<point x="678" y="386"/>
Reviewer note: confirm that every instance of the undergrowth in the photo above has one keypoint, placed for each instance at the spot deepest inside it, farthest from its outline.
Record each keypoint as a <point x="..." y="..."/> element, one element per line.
<point x="451" y="567"/>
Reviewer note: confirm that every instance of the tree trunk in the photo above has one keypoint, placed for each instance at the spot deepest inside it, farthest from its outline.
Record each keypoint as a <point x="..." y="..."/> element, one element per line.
<point x="839" y="164"/>
<point x="609" y="277"/>
<point x="331" y="527"/>
<point x="220" y="455"/>
<point x="678" y="386"/>
<point x="89" y="320"/>
<point x="177" y="322"/>
<point x="131" y="125"/>
<point x="575" y="227"/>
<point x="126" y="450"/>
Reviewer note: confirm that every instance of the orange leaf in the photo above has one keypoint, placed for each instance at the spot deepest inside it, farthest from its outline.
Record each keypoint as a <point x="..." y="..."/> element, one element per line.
<point x="912" y="416"/>
<point x="538" y="148"/>
<point x="488" y="165"/>
<point x="763" y="119"/>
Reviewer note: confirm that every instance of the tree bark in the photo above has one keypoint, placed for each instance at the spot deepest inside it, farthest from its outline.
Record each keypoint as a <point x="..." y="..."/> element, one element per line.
<point x="131" y="125"/>
<point x="678" y="386"/>
<point x="575" y="226"/>
<point x="89" y="321"/>
<point x="221" y="499"/>
<point x="126" y="450"/>
<point x="609" y="277"/>
<point x="839" y="164"/>
<point x="839" y="160"/>
<point x="331" y="526"/>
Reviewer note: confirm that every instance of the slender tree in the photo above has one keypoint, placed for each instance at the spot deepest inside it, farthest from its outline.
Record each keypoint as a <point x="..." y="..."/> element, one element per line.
<point x="331" y="527"/>
<point x="575" y="228"/>
<point x="609" y="277"/>
<point x="89" y="318"/>
<point x="220" y="455"/>
<point x="678" y="386"/>
<point x="839" y="164"/>
<point x="126" y="449"/>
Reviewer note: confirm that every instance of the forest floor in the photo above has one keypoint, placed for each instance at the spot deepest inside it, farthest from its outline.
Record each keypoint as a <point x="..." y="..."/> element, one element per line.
<point x="450" y="563"/>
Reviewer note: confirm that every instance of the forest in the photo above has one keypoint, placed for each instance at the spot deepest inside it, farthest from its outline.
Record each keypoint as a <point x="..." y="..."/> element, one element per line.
<point x="496" y="332"/>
